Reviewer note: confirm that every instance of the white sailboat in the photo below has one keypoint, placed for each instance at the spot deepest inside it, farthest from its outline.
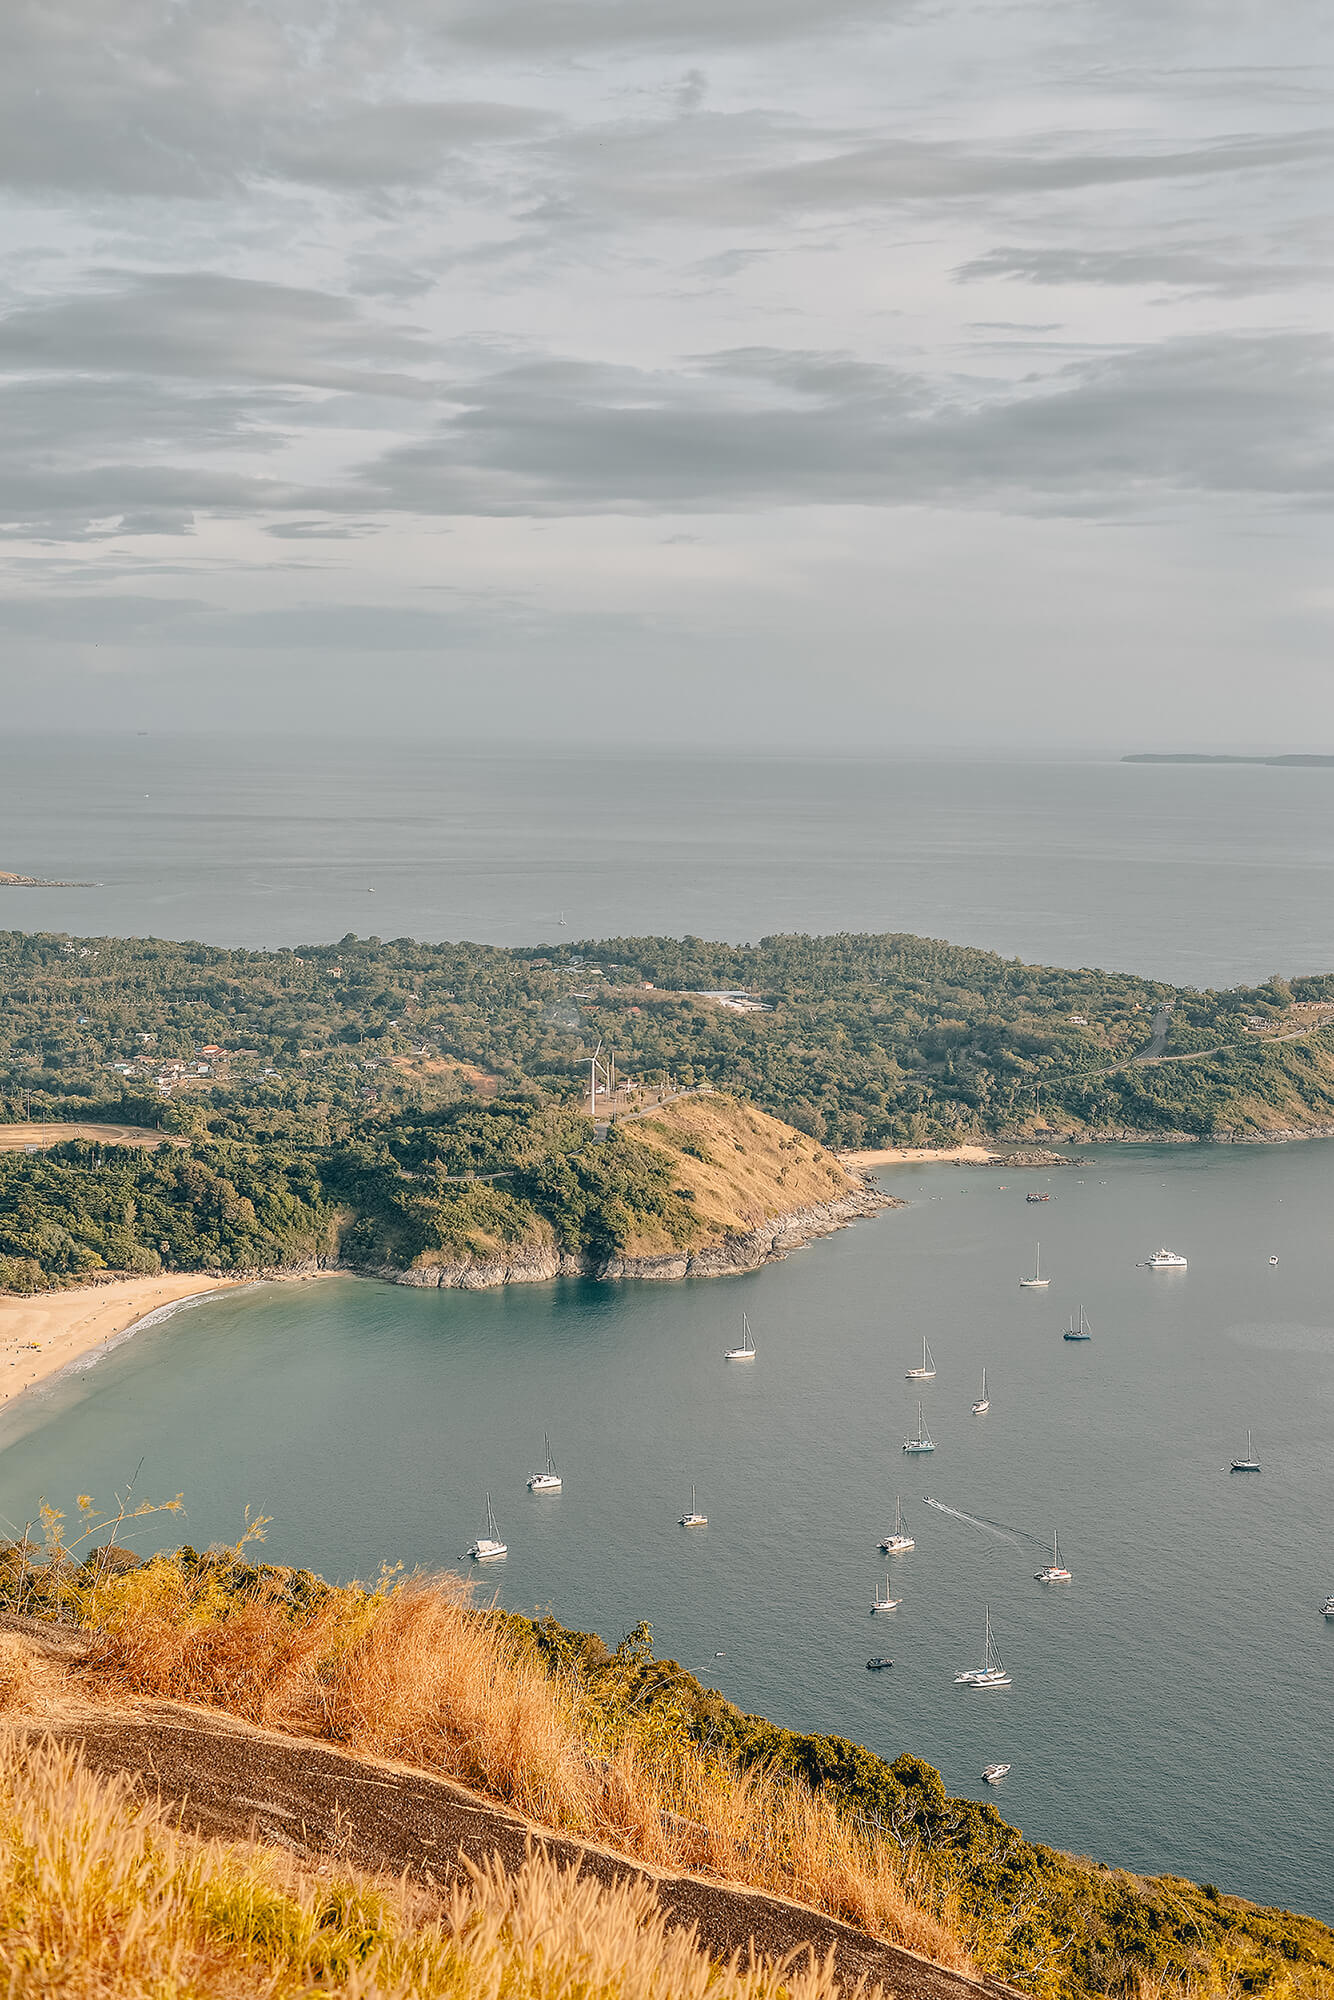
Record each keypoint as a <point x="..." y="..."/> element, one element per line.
<point x="923" y="1440"/>
<point x="1037" y="1283"/>
<point x="1248" y="1464"/>
<point x="927" y="1371"/>
<point x="694" y="1519"/>
<point x="746" y="1351"/>
<point x="488" y="1546"/>
<point x="983" y="1403"/>
<point x="1055" y="1571"/>
<point x="888" y="1602"/>
<point x="898" y="1543"/>
<point x="548" y="1481"/>
<point x="991" y="1673"/>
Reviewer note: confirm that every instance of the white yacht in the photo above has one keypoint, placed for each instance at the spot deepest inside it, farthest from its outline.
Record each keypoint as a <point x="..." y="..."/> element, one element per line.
<point x="1248" y="1464"/>
<point x="983" y="1403"/>
<point x="898" y="1544"/>
<point x="746" y="1351"/>
<point x="488" y="1546"/>
<point x="993" y="1773"/>
<point x="548" y="1481"/>
<point x="927" y="1371"/>
<point x="923" y="1440"/>
<point x="1328" y="1607"/>
<point x="1273" y="1260"/>
<point x="1037" y="1283"/>
<point x="888" y="1602"/>
<point x="1166" y="1260"/>
<point x="991" y="1673"/>
<point x="694" y="1519"/>
<point x="1055" y="1571"/>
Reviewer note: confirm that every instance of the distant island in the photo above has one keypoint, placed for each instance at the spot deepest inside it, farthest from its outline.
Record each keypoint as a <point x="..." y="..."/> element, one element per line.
<point x="8" y="881"/>
<point x="1299" y="758"/>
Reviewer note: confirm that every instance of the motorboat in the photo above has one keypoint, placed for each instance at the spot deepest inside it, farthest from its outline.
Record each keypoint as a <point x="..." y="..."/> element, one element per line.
<point x="746" y="1351"/>
<point x="694" y="1519"/>
<point x="1037" y="1197"/>
<point x="489" y="1546"/>
<point x="1328" y="1607"/>
<point x="897" y="1544"/>
<point x="923" y="1440"/>
<point x="1166" y="1260"/>
<point x="1055" y="1571"/>
<point x="548" y="1481"/>
<point x="993" y="1773"/>
<point x="927" y="1371"/>
<point x="991" y="1673"/>
<point x="1273" y="1260"/>
<point x="878" y="1664"/>
<point x="888" y="1602"/>
<point x="1250" y="1463"/>
<point x="983" y="1403"/>
<point x="1037" y="1283"/>
<point x="1081" y="1332"/>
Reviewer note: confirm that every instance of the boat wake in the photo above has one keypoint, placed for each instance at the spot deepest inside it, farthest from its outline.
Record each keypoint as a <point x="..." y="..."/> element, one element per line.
<point x="997" y="1528"/>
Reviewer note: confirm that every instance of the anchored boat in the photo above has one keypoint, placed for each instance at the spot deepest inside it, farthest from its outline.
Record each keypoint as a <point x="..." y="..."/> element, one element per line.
<point x="1080" y="1332"/>
<point x="991" y="1673"/>
<point x="746" y="1351"/>
<point x="1055" y="1571"/>
<point x="983" y="1403"/>
<point x="888" y="1602"/>
<point x="694" y="1519"/>
<point x="927" y="1371"/>
<point x="991" y="1773"/>
<point x="488" y="1546"/>
<point x="898" y="1543"/>
<point x="923" y="1440"/>
<point x="1166" y="1260"/>
<point x="1248" y="1464"/>
<point x="1037" y="1283"/>
<point x="548" y="1481"/>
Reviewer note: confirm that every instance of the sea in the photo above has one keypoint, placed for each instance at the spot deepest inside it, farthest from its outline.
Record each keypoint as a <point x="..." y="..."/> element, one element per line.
<point x="1172" y="1708"/>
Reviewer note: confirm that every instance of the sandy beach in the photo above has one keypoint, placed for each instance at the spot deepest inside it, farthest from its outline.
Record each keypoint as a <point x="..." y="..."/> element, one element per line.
<point x="916" y="1156"/>
<point x="43" y="1334"/>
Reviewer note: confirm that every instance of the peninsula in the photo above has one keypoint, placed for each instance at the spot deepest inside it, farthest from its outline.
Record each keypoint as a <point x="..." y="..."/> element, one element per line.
<point x="1298" y="759"/>
<point x="8" y="881"/>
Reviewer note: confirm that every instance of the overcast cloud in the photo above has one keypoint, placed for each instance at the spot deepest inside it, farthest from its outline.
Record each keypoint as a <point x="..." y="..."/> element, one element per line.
<point x="792" y="372"/>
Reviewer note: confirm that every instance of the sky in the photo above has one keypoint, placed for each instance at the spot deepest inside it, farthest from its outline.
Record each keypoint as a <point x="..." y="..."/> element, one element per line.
<point x="838" y="374"/>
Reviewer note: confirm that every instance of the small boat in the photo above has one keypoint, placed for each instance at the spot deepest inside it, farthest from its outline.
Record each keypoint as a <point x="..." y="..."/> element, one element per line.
<point x="993" y="1773"/>
<point x="983" y="1403"/>
<point x="1037" y="1197"/>
<point x="898" y="1543"/>
<point x="888" y="1602"/>
<point x="927" y="1371"/>
<point x="694" y="1519"/>
<point x="489" y="1546"/>
<point x="1273" y="1260"/>
<point x="1166" y="1260"/>
<point x="746" y="1351"/>
<point x="1080" y="1332"/>
<point x="1055" y="1571"/>
<point x="1328" y="1607"/>
<point x="1248" y="1464"/>
<point x="1037" y="1283"/>
<point x="991" y="1673"/>
<point x="548" y="1481"/>
<point x="923" y="1440"/>
<point x="878" y="1664"/>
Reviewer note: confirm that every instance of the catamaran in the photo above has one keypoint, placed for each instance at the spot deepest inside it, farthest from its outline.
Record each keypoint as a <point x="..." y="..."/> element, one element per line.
<point x="898" y="1543"/>
<point x="1081" y="1332"/>
<point x="746" y="1351"/>
<point x="888" y="1602"/>
<point x="983" y="1403"/>
<point x="1055" y="1571"/>
<point x="927" y="1371"/>
<point x="488" y="1546"/>
<point x="1248" y="1464"/>
<point x="924" y="1440"/>
<point x="548" y="1481"/>
<point x="991" y="1673"/>
<point x="1166" y="1260"/>
<point x="694" y="1519"/>
<point x="1037" y="1283"/>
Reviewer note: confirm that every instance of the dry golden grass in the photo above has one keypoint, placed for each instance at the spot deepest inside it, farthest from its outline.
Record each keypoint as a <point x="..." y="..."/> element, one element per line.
<point x="102" y="1898"/>
<point x="412" y="1672"/>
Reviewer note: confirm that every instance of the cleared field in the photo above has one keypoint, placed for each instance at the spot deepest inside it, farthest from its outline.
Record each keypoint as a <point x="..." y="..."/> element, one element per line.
<point x="13" y="1138"/>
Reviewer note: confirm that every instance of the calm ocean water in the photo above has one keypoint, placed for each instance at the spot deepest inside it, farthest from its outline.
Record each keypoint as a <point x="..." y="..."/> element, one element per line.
<point x="1206" y="876"/>
<point x="1173" y="1708"/>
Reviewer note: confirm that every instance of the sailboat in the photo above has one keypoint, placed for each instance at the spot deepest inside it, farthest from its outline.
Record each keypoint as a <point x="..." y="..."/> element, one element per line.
<point x="694" y="1519"/>
<point x="1055" y="1571"/>
<point x="1248" y="1464"/>
<point x="1081" y="1332"/>
<point x="924" y="1440"/>
<point x="1037" y="1283"/>
<point x="488" y="1546"/>
<point x="991" y="1673"/>
<point x="983" y="1403"/>
<point x="548" y="1481"/>
<point x="888" y="1602"/>
<point x="898" y="1543"/>
<point x="927" y="1371"/>
<point x="746" y="1351"/>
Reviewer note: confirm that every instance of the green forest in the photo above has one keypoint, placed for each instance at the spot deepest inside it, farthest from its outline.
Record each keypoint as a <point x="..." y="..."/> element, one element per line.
<point x="349" y="1094"/>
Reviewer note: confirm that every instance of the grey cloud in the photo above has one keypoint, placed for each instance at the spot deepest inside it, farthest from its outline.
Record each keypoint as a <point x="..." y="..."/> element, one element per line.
<point x="1189" y="269"/>
<point x="584" y="25"/>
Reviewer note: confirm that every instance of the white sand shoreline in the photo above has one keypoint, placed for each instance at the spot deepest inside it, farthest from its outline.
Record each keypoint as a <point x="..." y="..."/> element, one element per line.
<point x="917" y="1156"/>
<point x="44" y="1334"/>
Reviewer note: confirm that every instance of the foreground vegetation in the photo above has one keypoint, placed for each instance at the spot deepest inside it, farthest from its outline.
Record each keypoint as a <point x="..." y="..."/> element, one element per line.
<point x="634" y="1751"/>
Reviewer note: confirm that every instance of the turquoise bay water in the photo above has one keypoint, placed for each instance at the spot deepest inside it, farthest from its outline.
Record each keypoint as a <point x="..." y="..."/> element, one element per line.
<point x="1173" y="1708"/>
